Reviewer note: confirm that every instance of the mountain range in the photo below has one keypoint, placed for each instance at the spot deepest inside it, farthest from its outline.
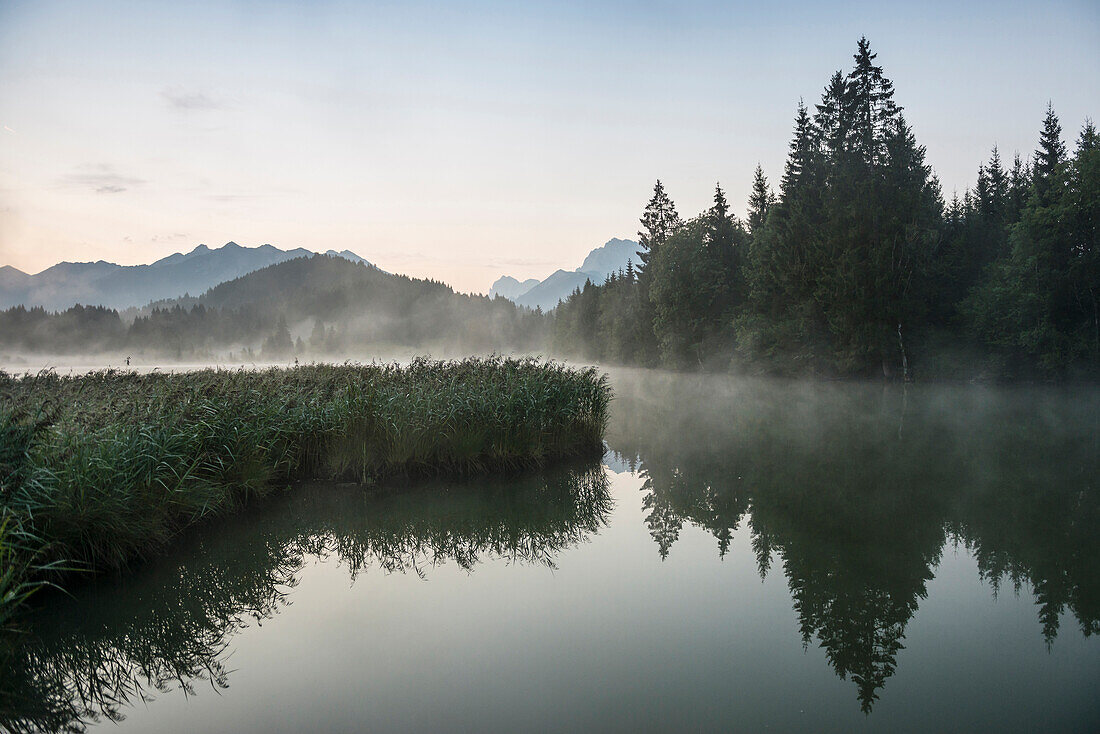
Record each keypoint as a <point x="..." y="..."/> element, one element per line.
<point x="545" y="294"/>
<point x="120" y="286"/>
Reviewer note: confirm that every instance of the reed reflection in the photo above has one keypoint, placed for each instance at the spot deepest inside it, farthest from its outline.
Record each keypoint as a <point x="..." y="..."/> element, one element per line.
<point x="169" y="626"/>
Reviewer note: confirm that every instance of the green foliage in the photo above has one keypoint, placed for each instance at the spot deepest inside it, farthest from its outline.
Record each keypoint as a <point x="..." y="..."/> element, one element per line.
<point x="659" y="221"/>
<point x="21" y="550"/>
<point x="696" y="288"/>
<point x="856" y="269"/>
<point x="1038" y="303"/>
<point x="128" y="460"/>
<point x="760" y="201"/>
<point x="835" y="273"/>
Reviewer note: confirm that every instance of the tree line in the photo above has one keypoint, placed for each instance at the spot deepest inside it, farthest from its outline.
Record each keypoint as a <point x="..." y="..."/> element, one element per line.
<point x="858" y="267"/>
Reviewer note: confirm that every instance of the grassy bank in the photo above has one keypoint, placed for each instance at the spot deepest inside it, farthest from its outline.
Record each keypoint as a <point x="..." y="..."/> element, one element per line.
<point x="99" y="469"/>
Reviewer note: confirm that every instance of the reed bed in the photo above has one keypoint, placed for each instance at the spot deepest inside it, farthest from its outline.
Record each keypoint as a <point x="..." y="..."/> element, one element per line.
<point x="99" y="469"/>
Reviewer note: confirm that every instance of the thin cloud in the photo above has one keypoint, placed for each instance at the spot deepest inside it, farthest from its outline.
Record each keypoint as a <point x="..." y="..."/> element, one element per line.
<point x="252" y="196"/>
<point x="234" y="197"/>
<point x="101" y="178"/>
<point x="182" y="101"/>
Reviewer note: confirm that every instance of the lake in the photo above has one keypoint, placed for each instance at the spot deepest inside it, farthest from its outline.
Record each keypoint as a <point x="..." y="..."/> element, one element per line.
<point x="748" y="555"/>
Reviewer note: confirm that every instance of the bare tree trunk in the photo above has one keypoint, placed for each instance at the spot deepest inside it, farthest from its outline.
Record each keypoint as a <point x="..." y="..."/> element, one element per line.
<point x="904" y="358"/>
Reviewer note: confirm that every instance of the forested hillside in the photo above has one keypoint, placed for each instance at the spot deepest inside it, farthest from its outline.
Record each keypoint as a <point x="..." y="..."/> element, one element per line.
<point x="316" y="306"/>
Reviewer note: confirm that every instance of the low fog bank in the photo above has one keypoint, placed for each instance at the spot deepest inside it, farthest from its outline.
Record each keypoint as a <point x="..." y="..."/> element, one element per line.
<point x="721" y="408"/>
<point x="20" y="364"/>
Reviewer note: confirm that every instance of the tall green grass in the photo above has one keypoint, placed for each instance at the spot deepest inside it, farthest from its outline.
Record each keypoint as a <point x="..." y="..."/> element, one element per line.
<point x="99" y="469"/>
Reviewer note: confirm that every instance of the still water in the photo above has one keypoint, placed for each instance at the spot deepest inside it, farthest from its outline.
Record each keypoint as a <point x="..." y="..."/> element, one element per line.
<point x="748" y="556"/>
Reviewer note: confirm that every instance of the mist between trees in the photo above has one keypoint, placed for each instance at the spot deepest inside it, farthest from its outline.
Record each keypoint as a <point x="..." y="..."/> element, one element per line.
<point x="856" y="267"/>
<point x="320" y="307"/>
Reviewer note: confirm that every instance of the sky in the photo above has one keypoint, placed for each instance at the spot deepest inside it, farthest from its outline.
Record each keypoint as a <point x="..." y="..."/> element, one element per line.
<point x="464" y="141"/>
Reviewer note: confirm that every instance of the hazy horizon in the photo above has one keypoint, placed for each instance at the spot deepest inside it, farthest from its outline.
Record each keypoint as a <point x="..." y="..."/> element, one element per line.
<point x="463" y="145"/>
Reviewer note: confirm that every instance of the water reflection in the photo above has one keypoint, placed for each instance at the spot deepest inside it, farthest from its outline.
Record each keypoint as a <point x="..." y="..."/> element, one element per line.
<point x="850" y="494"/>
<point x="856" y="490"/>
<point x="169" y="625"/>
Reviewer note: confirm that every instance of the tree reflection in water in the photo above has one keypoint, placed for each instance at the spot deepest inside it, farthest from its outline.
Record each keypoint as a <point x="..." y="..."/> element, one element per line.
<point x="169" y="626"/>
<point x="856" y="490"/>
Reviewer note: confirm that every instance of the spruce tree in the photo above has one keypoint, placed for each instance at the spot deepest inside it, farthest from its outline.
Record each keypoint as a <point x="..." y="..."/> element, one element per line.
<point x="720" y="226"/>
<point x="998" y="185"/>
<point x="659" y="220"/>
<point x="1049" y="159"/>
<point x="869" y="110"/>
<point x="831" y="123"/>
<point x="981" y="191"/>
<point x="801" y="149"/>
<point x="1018" y="186"/>
<point x="760" y="201"/>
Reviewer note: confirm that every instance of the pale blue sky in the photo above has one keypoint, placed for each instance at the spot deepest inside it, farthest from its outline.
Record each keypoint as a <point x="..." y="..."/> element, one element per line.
<point x="465" y="141"/>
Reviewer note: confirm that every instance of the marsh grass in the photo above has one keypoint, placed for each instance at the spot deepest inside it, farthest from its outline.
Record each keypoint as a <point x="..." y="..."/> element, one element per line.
<point x="99" y="469"/>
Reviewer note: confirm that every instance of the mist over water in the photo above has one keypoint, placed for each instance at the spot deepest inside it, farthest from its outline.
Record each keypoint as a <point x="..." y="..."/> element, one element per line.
<point x="752" y="553"/>
<point x="77" y="364"/>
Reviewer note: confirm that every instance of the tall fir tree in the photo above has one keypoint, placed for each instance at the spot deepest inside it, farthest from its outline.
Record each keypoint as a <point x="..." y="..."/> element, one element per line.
<point x="831" y="125"/>
<point x="659" y="221"/>
<point x="720" y="228"/>
<point x="869" y="110"/>
<point x="760" y="201"/>
<point x="1018" y="186"/>
<point x="1049" y="159"/>
<point x="998" y="185"/>
<point x="800" y="155"/>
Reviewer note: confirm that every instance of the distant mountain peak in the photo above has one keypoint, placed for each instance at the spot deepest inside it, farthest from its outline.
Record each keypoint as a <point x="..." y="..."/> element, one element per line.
<point x="610" y="258"/>
<point x="601" y="262"/>
<point x="508" y="287"/>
